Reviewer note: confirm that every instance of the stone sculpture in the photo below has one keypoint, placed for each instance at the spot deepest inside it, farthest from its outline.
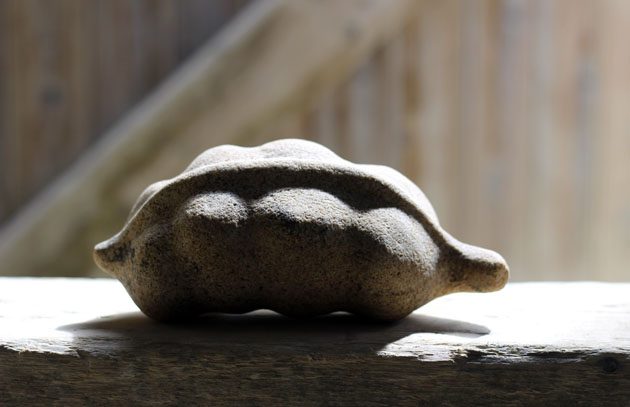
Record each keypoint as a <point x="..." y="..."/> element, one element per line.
<point x="289" y="226"/>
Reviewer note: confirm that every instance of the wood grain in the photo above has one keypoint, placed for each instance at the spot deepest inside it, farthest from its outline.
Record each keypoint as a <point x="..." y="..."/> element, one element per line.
<point x="78" y="341"/>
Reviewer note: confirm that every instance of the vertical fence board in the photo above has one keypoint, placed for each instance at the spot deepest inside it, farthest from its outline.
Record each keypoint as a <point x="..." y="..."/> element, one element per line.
<point x="390" y="136"/>
<point x="611" y="227"/>
<point x="438" y="130"/>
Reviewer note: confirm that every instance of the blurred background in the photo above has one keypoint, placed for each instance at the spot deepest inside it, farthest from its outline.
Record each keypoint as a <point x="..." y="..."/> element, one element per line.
<point x="513" y="116"/>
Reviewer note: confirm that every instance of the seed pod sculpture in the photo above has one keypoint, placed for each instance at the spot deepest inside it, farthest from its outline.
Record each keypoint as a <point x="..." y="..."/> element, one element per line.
<point x="289" y="226"/>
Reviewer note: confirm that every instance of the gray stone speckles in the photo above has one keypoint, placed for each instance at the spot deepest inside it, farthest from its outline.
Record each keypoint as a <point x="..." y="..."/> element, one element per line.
<point x="292" y="227"/>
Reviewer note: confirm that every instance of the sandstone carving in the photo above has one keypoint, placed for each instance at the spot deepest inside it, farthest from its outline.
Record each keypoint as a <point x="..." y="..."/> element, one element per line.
<point x="292" y="227"/>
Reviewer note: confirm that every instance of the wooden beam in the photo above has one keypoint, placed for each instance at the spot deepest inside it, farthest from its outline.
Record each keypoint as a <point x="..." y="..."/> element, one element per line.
<point x="275" y="59"/>
<point x="83" y="341"/>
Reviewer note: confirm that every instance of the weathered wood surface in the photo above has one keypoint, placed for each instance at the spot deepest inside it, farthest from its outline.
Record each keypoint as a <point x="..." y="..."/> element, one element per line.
<point x="78" y="341"/>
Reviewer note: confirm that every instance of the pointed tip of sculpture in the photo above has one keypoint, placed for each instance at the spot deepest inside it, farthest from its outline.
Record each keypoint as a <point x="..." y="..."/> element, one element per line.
<point x="109" y="256"/>
<point x="482" y="270"/>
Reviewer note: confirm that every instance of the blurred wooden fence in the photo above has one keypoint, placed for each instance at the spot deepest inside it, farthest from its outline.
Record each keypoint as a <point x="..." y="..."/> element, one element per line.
<point x="512" y="115"/>
<point x="70" y="68"/>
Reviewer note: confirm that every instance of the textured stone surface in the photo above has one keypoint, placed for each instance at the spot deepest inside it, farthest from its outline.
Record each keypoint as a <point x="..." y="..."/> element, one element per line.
<point x="291" y="227"/>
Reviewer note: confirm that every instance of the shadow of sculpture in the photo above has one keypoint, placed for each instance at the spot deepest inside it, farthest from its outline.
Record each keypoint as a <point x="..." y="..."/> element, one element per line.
<point x="338" y="332"/>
